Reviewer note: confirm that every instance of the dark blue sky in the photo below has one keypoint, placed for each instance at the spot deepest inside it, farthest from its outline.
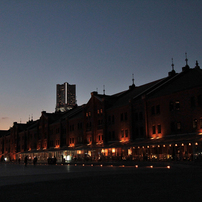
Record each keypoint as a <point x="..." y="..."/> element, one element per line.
<point x="89" y="43"/>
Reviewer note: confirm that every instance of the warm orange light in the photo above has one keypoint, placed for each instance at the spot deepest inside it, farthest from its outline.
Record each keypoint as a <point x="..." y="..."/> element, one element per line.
<point x="196" y="143"/>
<point x="100" y="165"/>
<point x="168" y="167"/>
<point x="91" y="164"/>
<point x="148" y="146"/>
<point x="78" y="151"/>
<point x="75" y="164"/>
<point x="176" y="145"/>
<point x="151" y="166"/>
<point x="169" y="145"/>
<point x="136" y="166"/>
<point x="83" y="164"/>
<point x="113" y="150"/>
<point x="189" y="144"/>
<point x="164" y="145"/>
<point x="182" y="144"/>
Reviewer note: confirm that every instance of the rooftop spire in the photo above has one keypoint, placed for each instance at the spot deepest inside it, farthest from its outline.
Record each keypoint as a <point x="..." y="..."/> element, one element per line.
<point x="197" y="66"/>
<point x="172" y="65"/>
<point x="186" y="67"/>
<point x="186" y="59"/>
<point x="103" y="89"/>
<point x="132" y="79"/>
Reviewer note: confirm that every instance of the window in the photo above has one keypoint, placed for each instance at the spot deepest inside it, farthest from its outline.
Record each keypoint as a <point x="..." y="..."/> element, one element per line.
<point x="178" y="126"/>
<point x="112" y="119"/>
<point x="136" y="116"/>
<point x="113" y="135"/>
<point x="153" y="110"/>
<point x="194" y="123"/>
<point x="122" y="117"/>
<point x="126" y="133"/>
<point x="193" y="101"/>
<point x="109" y="119"/>
<point x="200" y="123"/>
<point x="171" y="106"/>
<point x="158" y="109"/>
<point x="159" y="128"/>
<point x="126" y="116"/>
<point x="199" y="98"/>
<point x="141" y="116"/>
<point x="154" y="129"/>
<point x="122" y="133"/>
<point x="177" y="105"/>
<point x="109" y="136"/>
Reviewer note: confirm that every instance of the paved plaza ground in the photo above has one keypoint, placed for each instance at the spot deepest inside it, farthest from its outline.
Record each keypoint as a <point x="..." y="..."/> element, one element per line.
<point x="101" y="183"/>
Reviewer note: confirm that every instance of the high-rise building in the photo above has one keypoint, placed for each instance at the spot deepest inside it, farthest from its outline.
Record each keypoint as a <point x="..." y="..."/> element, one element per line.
<point x="65" y="97"/>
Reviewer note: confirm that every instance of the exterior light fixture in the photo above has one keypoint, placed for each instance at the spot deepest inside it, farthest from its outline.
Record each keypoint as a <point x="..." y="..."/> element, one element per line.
<point x="136" y="166"/>
<point x="168" y="167"/>
<point x="151" y="166"/>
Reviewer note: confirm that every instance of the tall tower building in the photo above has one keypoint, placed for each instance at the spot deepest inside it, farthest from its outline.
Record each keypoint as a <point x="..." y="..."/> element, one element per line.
<point x="65" y="97"/>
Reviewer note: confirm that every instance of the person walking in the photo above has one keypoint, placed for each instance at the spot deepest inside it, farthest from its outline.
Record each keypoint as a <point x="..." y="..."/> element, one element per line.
<point x="25" y="161"/>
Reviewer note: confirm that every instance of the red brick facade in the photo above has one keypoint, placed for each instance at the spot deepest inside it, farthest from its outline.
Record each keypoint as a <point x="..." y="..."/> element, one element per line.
<point x="160" y="120"/>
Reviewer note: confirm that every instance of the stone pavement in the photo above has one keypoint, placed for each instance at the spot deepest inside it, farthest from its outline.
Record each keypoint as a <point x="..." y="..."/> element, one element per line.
<point x="100" y="183"/>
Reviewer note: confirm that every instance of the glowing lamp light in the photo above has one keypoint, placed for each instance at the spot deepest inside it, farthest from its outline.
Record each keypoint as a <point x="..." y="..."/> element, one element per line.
<point x="136" y="166"/>
<point x="189" y="144"/>
<point x="111" y="165"/>
<point x="176" y="145"/>
<point x="91" y="164"/>
<point x="75" y="164"/>
<point x="151" y="166"/>
<point x="168" y="167"/>
<point x="100" y="165"/>
<point x="164" y="145"/>
<point x="196" y="143"/>
<point x="182" y="144"/>
<point x="83" y="164"/>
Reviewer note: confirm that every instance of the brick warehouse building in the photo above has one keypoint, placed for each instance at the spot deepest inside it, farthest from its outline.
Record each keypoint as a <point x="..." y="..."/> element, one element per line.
<point x="161" y="120"/>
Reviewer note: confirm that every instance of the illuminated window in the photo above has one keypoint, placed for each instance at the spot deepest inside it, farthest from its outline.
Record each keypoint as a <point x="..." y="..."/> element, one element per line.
<point x="100" y="111"/>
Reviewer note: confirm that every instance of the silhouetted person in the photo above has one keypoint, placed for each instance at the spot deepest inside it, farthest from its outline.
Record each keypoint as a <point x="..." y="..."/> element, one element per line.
<point x="25" y="161"/>
<point x="35" y="160"/>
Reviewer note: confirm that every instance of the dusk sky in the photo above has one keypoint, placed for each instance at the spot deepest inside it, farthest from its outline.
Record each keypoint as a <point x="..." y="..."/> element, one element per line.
<point x="89" y="43"/>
